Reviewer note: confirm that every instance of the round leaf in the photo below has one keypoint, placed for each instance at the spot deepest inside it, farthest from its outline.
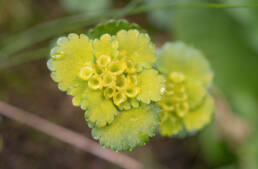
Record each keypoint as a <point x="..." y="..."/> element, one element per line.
<point x="129" y="129"/>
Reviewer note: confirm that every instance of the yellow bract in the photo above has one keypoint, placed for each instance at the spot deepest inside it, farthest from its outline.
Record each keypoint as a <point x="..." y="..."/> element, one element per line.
<point x="151" y="86"/>
<point x="106" y="45"/>
<point x="140" y="50"/>
<point x="67" y="59"/>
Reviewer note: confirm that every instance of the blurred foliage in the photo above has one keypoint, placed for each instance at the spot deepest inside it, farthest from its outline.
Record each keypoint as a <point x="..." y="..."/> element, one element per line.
<point x="85" y="5"/>
<point x="228" y="37"/>
<point x="216" y="151"/>
<point x="160" y="18"/>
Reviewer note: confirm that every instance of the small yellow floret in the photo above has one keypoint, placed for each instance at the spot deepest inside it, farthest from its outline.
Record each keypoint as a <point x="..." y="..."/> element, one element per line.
<point x="119" y="98"/>
<point x="98" y="70"/>
<point x="177" y="77"/>
<point x="95" y="82"/>
<point x="175" y="100"/>
<point x="132" y="91"/>
<point x="182" y="109"/>
<point x="108" y="79"/>
<point x="116" y="67"/>
<point x="86" y="72"/>
<point x="109" y="92"/>
<point x="168" y="105"/>
<point x="120" y="82"/>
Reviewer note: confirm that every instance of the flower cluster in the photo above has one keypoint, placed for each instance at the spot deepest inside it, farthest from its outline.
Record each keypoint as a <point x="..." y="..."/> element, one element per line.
<point x="113" y="79"/>
<point x="176" y="97"/>
<point x="186" y="103"/>
<point x="114" y="75"/>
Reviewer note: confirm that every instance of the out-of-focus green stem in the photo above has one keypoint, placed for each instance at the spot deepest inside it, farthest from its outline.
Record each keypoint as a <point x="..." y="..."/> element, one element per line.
<point x="154" y="7"/>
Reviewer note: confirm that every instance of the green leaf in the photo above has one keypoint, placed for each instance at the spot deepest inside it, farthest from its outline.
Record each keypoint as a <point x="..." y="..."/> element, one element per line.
<point x="129" y="129"/>
<point x="151" y="84"/>
<point x="178" y="57"/>
<point x="160" y="18"/>
<point x="221" y="38"/>
<point x="111" y="27"/>
<point x="198" y="118"/>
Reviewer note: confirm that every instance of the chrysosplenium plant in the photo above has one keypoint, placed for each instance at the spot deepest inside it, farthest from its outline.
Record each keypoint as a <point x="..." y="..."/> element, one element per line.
<point x="111" y="75"/>
<point x="186" y="104"/>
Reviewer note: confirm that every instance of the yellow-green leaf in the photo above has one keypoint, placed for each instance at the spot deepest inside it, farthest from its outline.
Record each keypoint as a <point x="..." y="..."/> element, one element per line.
<point x="68" y="57"/>
<point x="198" y="118"/>
<point x="129" y="129"/>
<point x="170" y="124"/>
<point x="137" y="46"/>
<point x="151" y="86"/>
<point x="100" y="111"/>
<point x="196" y="93"/>
<point x="105" y="45"/>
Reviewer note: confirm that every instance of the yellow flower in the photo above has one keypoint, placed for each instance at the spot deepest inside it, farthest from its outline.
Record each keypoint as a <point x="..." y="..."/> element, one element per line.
<point x="186" y="103"/>
<point x="113" y="80"/>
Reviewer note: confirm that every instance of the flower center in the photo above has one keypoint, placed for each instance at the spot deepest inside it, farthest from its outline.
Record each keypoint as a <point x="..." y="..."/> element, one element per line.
<point x="117" y="78"/>
<point x="175" y="100"/>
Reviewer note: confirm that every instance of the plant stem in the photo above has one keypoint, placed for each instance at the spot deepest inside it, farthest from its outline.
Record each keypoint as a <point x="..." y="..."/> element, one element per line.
<point x="155" y="7"/>
<point x="68" y="136"/>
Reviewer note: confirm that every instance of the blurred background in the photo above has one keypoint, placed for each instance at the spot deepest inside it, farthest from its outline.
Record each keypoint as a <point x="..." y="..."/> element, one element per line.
<point x="227" y="36"/>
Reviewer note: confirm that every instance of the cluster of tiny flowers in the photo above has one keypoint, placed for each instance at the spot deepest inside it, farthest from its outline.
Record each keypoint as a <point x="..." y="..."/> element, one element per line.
<point x="117" y="78"/>
<point x="175" y="99"/>
<point x="186" y="104"/>
<point x="122" y="85"/>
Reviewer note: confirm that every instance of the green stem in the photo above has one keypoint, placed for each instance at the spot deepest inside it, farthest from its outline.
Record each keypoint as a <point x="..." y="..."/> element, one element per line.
<point x="155" y="7"/>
